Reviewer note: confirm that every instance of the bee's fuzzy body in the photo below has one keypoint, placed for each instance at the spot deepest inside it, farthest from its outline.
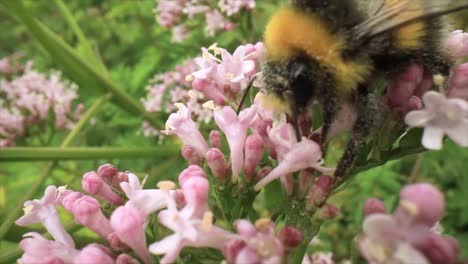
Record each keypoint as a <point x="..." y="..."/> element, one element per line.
<point x="315" y="51"/>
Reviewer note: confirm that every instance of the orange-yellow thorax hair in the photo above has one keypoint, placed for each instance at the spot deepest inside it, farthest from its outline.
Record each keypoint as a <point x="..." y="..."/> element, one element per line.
<point x="411" y="35"/>
<point x="292" y="32"/>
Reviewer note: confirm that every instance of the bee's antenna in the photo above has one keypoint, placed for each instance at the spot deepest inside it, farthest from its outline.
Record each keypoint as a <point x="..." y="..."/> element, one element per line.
<point x="244" y="96"/>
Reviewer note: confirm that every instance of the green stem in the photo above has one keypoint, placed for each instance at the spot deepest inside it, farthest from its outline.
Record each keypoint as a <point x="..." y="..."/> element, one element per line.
<point x="87" y="153"/>
<point x="89" y="53"/>
<point x="394" y="155"/>
<point x="13" y="215"/>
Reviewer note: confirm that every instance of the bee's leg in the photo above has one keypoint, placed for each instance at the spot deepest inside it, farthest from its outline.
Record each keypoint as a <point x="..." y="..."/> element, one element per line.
<point x="366" y="106"/>
<point x="330" y="107"/>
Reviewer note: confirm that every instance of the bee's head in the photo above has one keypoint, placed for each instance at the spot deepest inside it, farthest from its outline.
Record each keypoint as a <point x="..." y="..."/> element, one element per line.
<point x="288" y="84"/>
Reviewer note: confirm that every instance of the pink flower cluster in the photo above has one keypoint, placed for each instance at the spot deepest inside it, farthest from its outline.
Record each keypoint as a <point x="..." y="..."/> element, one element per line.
<point x="221" y="75"/>
<point x="169" y="88"/>
<point x="408" y="95"/>
<point x="175" y="13"/>
<point x="30" y="99"/>
<point x="249" y="135"/>
<point x="407" y="235"/>
<point x="184" y="211"/>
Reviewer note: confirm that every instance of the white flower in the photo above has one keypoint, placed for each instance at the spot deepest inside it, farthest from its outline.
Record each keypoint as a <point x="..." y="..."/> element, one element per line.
<point x="441" y="116"/>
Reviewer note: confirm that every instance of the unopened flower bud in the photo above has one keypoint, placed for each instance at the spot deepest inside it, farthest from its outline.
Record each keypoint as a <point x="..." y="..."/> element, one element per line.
<point x="115" y="243"/>
<point x="263" y="127"/>
<point x="217" y="164"/>
<point x="329" y="212"/>
<point x="291" y="237"/>
<point x="191" y="171"/>
<point x="439" y="249"/>
<point x="122" y="177"/>
<point x="428" y="200"/>
<point x="125" y="259"/>
<point x="196" y="190"/>
<point x="94" y="184"/>
<point x="253" y="154"/>
<point x="107" y="172"/>
<point x="232" y="248"/>
<point x="94" y="253"/>
<point x="374" y="206"/>
<point x="87" y="212"/>
<point x="215" y="139"/>
<point x="458" y="87"/>
<point x="321" y="187"/>
<point x="191" y="155"/>
<point x="68" y="199"/>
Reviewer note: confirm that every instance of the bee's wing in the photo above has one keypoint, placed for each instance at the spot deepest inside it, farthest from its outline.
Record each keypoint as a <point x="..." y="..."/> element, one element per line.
<point x="393" y="14"/>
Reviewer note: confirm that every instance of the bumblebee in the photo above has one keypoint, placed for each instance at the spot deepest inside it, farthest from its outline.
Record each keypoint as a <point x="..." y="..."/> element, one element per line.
<point x="330" y="51"/>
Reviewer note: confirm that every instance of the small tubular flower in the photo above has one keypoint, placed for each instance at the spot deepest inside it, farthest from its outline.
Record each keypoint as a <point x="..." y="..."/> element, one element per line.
<point x="147" y="201"/>
<point x="129" y="225"/>
<point x="184" y="127"/>
<point x="235" y="128"/>
<point x="44" y="211"/>
<point x="38" y="249"/>
<point x="302" y="155"/>
<point x="441" y="116"/>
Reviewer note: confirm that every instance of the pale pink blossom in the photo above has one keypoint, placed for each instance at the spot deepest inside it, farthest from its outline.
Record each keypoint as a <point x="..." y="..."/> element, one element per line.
<point x="215" y="21"/>
<point x="303" y="155"/>
<point x="235" y="128"/>
<point x="407" y="236"/>
<point x="192" y="225"/>
<point x="184" y="127"/>
<point x="169" y="12"/>
<point x="319" y="258"/>
<point x="30" y="98"/>
<point x="147" y="201"/>
<point x="385" y="242"/>
<point x="441" y="116"/>
<point x="38" y="249"/>
<point x="5" y="66"/>
<point x="259" y="243"/>
<point x="231" y="7"/>
<point x="180" y="33"/>
<point x="44" y="211"/>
